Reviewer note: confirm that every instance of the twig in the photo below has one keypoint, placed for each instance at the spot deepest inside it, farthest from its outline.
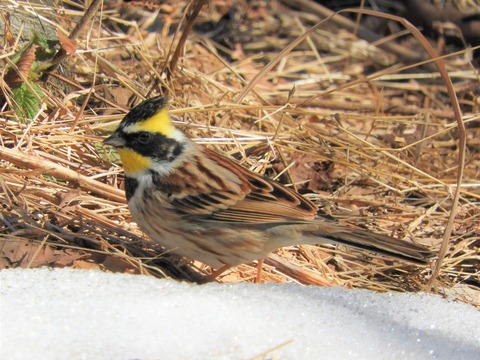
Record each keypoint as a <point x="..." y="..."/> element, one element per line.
<point x="32" y="162"/>
<point x="84" y="21"/>
<point x="362" y="32"/>
<point x="461" y="132"/>
<point x="301" y="274"/>
<point x="194" y="9"/>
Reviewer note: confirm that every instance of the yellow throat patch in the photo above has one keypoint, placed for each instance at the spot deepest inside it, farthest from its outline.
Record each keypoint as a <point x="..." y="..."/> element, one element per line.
<point x="133" y="162"/>
<point x="159" y="123"/>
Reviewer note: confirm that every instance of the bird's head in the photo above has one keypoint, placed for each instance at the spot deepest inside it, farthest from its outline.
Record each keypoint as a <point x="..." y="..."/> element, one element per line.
<point x="147" y="140"/>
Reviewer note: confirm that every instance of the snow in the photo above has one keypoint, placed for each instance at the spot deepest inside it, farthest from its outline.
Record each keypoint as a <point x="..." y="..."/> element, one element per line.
<point x="74" y="314"/>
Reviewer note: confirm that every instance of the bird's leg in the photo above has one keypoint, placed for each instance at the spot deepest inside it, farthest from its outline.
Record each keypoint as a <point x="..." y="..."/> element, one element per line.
<point x="220" y="271"/>
<point x="215" y="274"/>
<point x="258" y="278"/>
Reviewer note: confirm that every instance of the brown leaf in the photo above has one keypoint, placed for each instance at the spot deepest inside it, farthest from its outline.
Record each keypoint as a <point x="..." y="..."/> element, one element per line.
<point x="24" y="64"/>
<point x="67" y="202"/>
<point x="314" y="175"/>
<point x="67" y="44"/>
<point x="69" y="198"/>
<point x="86" y="265"/>
<point x="116" y="264"/>
<point x="106" y="262"/>
<point x="22" y="253"/>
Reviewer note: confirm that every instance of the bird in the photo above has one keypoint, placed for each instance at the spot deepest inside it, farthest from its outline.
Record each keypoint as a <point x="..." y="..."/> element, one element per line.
<point x="205" y="206"/>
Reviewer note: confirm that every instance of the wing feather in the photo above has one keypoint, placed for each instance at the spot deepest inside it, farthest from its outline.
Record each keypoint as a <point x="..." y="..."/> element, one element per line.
<point x="216" y="188"/>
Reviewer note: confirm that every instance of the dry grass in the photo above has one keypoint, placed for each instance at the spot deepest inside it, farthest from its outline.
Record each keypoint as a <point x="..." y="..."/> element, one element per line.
<point x="378" y="141"/>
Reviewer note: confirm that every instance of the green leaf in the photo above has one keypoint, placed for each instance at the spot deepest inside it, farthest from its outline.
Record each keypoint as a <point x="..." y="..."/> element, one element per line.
<point x="48" y="48"/>
<point x="26" y="101"/>
<point x="40" y="40"/>
<point x="45" y="52"/>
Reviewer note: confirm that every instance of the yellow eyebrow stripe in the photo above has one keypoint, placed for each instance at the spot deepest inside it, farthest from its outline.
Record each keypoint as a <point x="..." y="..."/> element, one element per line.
<point x="159" y="123"/>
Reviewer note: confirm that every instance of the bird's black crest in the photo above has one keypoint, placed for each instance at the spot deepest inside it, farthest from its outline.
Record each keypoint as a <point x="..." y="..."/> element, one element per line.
<point x="145" y="110"/>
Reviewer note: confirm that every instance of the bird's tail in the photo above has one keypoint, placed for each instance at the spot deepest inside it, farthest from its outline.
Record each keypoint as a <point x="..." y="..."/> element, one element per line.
<point x="338" y="233"/>
<point x="383" y="244"/>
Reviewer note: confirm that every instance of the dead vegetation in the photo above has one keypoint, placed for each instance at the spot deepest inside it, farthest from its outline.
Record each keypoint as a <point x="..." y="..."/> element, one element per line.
<point x="371" y="136"/>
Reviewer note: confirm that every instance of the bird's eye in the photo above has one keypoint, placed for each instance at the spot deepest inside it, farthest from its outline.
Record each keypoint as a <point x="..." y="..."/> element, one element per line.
<point x="145" y="138"/>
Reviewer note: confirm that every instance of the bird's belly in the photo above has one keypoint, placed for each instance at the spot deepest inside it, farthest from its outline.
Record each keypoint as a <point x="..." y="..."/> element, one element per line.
<point x="215" y="246"/>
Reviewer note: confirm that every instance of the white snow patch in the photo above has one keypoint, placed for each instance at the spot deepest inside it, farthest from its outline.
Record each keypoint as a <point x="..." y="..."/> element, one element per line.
<point x="74" y="314"/>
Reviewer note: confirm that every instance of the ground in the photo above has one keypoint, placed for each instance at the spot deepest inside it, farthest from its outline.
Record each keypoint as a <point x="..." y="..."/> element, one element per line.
<point x="368" y="128"/>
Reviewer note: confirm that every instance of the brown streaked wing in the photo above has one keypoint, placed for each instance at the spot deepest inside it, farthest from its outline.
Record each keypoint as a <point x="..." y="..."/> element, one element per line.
<point x="225" y="191"/>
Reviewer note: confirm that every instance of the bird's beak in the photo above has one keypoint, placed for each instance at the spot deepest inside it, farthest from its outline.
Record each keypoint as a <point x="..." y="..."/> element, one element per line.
<point x="115" y="140"/>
